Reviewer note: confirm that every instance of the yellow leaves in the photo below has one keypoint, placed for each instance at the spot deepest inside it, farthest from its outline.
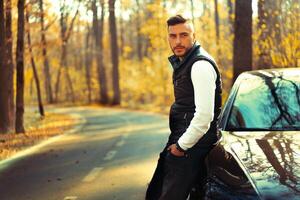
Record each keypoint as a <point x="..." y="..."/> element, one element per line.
<point x="289" y="52"/>
<point x="228" y="74"/>
<point x="279" y="49"/>
<point x="276" y="12"/>
<point x="127" y="4"/>
<point x="126" y="51"/>
<point x="37" y="130"/>
<point x="263" y="26"/>
<point x="149" y="81"/>
<point x="155" y="28"/>
<point x="146" y="82"/>
<point x="28" y="74"/>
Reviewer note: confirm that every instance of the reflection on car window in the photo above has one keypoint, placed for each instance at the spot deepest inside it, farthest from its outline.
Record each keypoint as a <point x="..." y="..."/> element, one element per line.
<point x="267" y="103"/>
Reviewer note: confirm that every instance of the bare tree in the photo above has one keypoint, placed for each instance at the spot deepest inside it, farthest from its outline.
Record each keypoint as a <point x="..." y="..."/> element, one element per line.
<point x="138" y="31"/>
<point x="4" y="87"/>
<point x="131" y="38"/>
<point x="10" y="65"/>
<point x="242" y="50"/>
<point x="47" y="83"/>
<point x="217" y="23"/>
<point x="88" y="63"/>
<point x="35" y="74"/>
<point x="114" y="53"/>
<point x="192" y="12"/>
<point x="65" y="33"/>
<point x="122" y="30"/>
<point x="98" y="27"/>
<point x="20" y="69"/>
<point x="230" y="15"/>
<point x="148" y="15"/>
<point x="217" y="26"/>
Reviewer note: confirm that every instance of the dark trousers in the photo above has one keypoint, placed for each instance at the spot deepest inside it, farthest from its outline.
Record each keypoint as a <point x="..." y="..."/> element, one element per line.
<point x="175" y="176"/>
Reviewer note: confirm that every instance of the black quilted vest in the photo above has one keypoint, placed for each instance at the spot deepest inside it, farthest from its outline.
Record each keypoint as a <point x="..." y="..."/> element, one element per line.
<point x="183" y="109"/>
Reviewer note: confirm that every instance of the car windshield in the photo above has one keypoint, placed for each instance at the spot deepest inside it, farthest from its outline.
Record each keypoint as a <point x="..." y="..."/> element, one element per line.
<point x="264" y="103"/>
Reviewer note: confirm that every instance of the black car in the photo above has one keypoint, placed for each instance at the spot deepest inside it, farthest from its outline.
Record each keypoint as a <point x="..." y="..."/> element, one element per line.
<point x="258" y="156"/>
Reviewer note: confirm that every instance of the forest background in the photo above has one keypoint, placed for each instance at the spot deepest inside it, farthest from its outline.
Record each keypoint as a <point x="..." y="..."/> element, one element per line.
<point x="114" y="52"/>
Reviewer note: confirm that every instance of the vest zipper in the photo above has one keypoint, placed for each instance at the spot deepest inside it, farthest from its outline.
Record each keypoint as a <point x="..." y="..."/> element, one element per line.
<point x="184" y="117"/>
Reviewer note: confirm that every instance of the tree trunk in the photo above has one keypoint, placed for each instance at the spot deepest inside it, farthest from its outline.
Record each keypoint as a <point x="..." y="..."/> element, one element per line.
<point x="138" y="31"/>
<point x="131" y="38"/>
<point x="20" y="69"/>
<point x="70" y="84"/>
<point x="88" y="65"/>
<point x="122" y="30"/>
<point x="242" y="51"/>
<point x="35" y="74"/>
<point x="10" y="65"/>
<point x="114" y="53"/>
<point x="192" y="12"/>
<point x="65" y="33"/>
<point x="263" y="56"/>
<point x="47" y="74"/>
<point x="64" y="68"/>
<point x="4" y="71"/>
<point x="98" y="27"/>
<point x="148" y="15"/>
<point x="57" y="82"/>
<point x="217" y="21"/>
<point x="230" y="15"/>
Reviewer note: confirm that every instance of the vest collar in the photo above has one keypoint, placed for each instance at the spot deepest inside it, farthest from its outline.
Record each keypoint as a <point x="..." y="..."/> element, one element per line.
<point x="177" y="63"/>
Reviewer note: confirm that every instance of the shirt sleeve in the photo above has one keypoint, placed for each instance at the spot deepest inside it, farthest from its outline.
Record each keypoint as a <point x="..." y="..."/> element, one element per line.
<point x="203" y="77"/>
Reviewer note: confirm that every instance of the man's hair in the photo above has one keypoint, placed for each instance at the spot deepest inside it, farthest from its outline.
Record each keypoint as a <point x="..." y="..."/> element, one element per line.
<point x="177" y="19"/>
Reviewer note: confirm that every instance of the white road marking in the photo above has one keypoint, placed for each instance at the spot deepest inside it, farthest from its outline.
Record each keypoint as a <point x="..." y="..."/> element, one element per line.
<point x="93" y="174"/>
<point x="120" y="143"/>
<point x="70" y="198"/>
<point x="110" y="155"/>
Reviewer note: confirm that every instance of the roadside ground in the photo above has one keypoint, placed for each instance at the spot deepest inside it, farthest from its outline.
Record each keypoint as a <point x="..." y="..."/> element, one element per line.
<point x="37" y="129"/>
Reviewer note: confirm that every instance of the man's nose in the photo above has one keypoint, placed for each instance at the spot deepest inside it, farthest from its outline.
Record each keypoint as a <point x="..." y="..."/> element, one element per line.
<point x="178" y="40"/>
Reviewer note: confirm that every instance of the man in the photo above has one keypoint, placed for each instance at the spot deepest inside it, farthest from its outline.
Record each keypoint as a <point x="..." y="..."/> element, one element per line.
<point x="193" y="115"/>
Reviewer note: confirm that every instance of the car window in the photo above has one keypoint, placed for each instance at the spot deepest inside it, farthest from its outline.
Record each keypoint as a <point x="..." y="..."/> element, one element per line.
<point x="266" y="103"/>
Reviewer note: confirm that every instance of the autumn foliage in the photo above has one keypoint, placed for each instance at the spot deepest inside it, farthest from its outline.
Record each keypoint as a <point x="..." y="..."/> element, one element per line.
<point x="84" y="54"/>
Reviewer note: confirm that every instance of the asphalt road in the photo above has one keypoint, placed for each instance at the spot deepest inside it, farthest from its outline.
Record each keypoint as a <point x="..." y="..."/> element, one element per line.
<point x="112" y="156"/>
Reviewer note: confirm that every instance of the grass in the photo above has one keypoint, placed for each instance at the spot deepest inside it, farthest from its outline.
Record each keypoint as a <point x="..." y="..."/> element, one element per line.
<point x="37" y="129"/>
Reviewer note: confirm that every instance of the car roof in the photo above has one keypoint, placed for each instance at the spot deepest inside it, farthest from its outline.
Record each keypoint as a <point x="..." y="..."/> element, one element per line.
<point x="271" y="73"/>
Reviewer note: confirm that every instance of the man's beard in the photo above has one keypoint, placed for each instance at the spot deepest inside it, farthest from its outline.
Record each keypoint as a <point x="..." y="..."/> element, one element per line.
<point x="183" y="48"/>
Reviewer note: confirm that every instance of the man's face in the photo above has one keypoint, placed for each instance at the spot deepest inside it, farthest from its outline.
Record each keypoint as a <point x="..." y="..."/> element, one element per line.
<point x="181" y="38"/>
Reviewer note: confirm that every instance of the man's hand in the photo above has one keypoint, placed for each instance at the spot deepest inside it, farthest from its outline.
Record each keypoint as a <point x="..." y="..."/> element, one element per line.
<point x="172" y="148"/>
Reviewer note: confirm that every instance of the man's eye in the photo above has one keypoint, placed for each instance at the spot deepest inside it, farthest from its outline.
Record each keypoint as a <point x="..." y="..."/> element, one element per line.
<point x="172" y="36"/>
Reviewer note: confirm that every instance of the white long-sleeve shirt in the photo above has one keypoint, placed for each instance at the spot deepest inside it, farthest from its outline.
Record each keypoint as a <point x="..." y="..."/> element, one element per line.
<point x="203" y="78"/>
